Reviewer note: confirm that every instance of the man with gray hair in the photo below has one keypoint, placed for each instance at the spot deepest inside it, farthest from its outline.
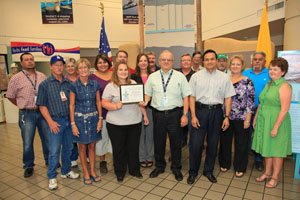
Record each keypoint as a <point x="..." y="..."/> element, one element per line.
<point x="152" y="61"/>
<point x="260" y="76"/>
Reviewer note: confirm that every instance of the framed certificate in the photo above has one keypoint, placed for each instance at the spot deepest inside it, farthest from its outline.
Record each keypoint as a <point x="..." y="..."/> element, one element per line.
<point x="132" y="93"/>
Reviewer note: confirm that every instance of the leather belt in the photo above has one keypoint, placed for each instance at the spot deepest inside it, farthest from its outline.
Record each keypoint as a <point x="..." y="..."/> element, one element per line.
<point x="200" y="105"/>
<point x="31" y="110"/>
<point x="167" y="111"/>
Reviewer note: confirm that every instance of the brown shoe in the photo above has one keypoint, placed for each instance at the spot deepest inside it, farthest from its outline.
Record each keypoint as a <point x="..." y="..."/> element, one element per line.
<point x="103" y="167"/>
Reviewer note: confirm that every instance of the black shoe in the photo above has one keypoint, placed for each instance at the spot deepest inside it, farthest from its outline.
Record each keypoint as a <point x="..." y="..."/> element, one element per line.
<point x="120" y="179"/>
<point x="191" y="180"/>
<point x="103" y="167"/>
<point x="138" y="175"/>
<point x="178" y="175"/>
<point x="210" y="177"/>
<point x="259" y="166"/>
<point x="156" y="172"/>
<point x="28" y="172"/>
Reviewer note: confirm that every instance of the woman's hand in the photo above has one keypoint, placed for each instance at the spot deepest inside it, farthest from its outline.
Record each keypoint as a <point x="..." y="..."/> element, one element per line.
<point x="246" y="124"/>
<point x="75" y="130"/>
<point x="274" y="132"/>
<point x="119" y="105"/>
<point x="254" y="123"/>
<point x="146" y="120"/>
<point x="99" y="125"/>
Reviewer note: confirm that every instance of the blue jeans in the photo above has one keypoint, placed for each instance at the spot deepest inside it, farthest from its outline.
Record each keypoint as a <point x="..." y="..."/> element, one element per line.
<point x="61" y="141"/>
<point x="74" y="155"/>
<point x="28" y="121"/>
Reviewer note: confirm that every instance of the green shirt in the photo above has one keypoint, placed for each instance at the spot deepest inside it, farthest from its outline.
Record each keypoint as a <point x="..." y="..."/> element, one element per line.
<point x="176" y="90"/>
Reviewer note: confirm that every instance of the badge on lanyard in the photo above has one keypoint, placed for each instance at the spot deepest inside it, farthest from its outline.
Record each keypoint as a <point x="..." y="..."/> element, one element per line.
<point x="164" y="101"/>
<point x="63" y="96"/>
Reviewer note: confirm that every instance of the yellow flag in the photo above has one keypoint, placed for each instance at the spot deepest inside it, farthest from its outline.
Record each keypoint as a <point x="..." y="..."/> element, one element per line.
<point x="264" y="40"/>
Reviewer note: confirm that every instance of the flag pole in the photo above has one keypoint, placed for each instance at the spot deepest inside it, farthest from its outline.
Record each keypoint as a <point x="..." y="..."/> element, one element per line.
<point x="141" y="26"/>
<point x="101" y="6"/>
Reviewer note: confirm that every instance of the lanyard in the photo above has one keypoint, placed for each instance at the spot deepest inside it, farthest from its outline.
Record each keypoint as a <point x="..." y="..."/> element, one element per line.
<point x="165" y="85"/>
<point x="33" y="85"/>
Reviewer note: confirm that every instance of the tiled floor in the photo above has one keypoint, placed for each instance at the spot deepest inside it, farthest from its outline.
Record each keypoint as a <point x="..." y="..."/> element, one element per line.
<point x="14" y="186"/>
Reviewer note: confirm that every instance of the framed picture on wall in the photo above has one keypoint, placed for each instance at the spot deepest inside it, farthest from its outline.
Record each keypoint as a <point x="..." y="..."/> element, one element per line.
<point x="3" y="73"/>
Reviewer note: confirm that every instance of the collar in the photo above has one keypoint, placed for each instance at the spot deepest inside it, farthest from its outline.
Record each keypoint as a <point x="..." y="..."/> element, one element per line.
<point x="211" y="74"/>
<point x="26" y="73"/>
<point x="52" y="78"/>
<point x="265" y="70"/>
<point x="88" y="83"/>
<point x="277" y="82"/>
<point x="166" y="73"/>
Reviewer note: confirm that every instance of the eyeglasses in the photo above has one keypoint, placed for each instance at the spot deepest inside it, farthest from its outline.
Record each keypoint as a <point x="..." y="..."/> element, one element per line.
<point x="186" y="60"/>
<point x="166" y="60"/>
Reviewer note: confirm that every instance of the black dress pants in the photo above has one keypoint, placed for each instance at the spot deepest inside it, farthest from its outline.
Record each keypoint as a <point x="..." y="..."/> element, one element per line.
<point x="167" y="122"/>
<point x="125" y="142"/>
<point x="210" y="126"/>
<point x="241" y="140"/>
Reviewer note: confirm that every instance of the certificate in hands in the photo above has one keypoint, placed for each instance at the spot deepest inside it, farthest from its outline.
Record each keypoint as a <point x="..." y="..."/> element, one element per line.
<point x="132" y="93"/>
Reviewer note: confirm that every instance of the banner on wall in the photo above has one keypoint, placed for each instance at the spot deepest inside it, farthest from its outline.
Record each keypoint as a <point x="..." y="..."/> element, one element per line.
<point x="293" y="77"/>
<point x="43" y="51"/>
<point x="57" y="12"/>
<point x="130" y="12"/>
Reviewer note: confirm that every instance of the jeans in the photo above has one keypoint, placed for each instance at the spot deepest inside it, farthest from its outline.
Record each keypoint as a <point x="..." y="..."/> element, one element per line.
<point x="74" y="155"/>
<point x="28" y="121"/>
<point x="61" y="141"/>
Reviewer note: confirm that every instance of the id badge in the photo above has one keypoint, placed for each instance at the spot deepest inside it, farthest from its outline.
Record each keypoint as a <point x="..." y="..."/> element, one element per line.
<point x="63" y="96"/>
<point x="35" y="98"/>
<point x="164" y="101"/>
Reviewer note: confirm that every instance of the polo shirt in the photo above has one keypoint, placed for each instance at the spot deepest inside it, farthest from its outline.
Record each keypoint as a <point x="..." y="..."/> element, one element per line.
<point x="259" y="81"/>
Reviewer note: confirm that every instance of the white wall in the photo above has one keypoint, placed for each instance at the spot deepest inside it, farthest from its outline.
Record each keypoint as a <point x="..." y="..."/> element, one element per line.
<point x="22" y="19"/>
<point x="221" y="17"/>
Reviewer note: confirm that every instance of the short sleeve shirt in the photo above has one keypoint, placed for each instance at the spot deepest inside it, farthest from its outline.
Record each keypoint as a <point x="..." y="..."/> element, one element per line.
<point x="259" y="81"/>
<point x="85" y="95"/>
<point x="212" y="88"/>
<point x="177" y="89"/>
<point x="49" y="95"/>
<point x="128" y="114"/>
<point x="21" y="88"/>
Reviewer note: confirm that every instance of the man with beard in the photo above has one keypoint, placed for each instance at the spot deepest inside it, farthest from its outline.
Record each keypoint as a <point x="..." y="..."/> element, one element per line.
<point x="260" y="76"/>
<point x="152" y="61"/>
<point x="197" y="61"/>
<point x="222" y="64"/>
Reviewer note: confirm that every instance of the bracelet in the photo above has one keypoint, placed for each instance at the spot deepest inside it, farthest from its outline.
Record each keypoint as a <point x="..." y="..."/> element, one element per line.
<point x="100" y="117"/>
<point x="247" y="121"/>
<point x="227" y="116"/>
<point x="72" y="123"/>
<point x="185" y="114"/>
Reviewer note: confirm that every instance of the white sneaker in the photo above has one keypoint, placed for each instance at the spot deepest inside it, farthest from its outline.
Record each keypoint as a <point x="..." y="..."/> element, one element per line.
<point x="71" y="175"/>
<point x="52" y="184"/>
<point x="74" y="164"/>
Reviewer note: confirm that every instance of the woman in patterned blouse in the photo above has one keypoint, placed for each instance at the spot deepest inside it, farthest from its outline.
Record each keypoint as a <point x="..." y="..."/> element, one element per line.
<point x="241" y="110"/>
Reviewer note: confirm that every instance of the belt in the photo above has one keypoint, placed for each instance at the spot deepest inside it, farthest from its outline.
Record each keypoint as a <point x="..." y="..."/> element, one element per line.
<point x="31" y="110"/>
<point x="167" y="111"/>
<point x="200" y="105"/>
<point x="85" y="116"/>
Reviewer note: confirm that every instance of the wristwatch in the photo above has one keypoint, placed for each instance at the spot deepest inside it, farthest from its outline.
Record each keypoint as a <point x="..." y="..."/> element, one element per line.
<point x="185" y="114"/>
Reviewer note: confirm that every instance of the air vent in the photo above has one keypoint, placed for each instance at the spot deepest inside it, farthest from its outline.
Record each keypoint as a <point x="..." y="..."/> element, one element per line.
<point x="272" y="8"/>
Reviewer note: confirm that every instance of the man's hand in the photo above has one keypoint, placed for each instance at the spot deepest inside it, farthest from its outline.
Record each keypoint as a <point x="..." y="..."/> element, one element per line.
<point x="54" y="127"/>
<point x="184" y="121"/>
<point x="195" y="122"/>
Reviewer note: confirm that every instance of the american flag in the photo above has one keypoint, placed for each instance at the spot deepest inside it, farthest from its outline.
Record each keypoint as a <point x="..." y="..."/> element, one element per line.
<point x="104" y="45"/>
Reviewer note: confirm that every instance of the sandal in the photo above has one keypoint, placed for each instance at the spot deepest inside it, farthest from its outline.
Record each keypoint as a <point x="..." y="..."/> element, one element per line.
<point x="272" y="185"/>
<point x="96" y="179"/>
<point x="143" y="164"/>
<point x="263" y="178"/>
<point x="87" y="181"/>
<point x="223" y="169"/>
<point x="239" y="174"/>
<point x="149" y="163"/>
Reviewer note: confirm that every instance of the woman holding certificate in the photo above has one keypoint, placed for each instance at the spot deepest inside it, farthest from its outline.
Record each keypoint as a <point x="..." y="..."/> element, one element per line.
<point x="123" y="123"/>
<point x="86" y="117"/>
<point x="146" y="152"/>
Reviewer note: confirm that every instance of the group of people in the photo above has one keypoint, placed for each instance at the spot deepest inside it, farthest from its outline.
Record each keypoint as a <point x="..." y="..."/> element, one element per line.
<point x="212" y="101"/>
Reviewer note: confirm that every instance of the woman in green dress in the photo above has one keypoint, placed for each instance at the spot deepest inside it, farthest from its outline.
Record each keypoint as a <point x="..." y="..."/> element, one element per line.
<point x="272" y="123"/>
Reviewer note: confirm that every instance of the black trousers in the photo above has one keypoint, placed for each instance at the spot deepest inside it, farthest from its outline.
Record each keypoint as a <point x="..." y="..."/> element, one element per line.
<point x="125" y="142"/>
<point x="241" y="140"/>
<point x="167" y="122"/>
<point x="210" y="126"/>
